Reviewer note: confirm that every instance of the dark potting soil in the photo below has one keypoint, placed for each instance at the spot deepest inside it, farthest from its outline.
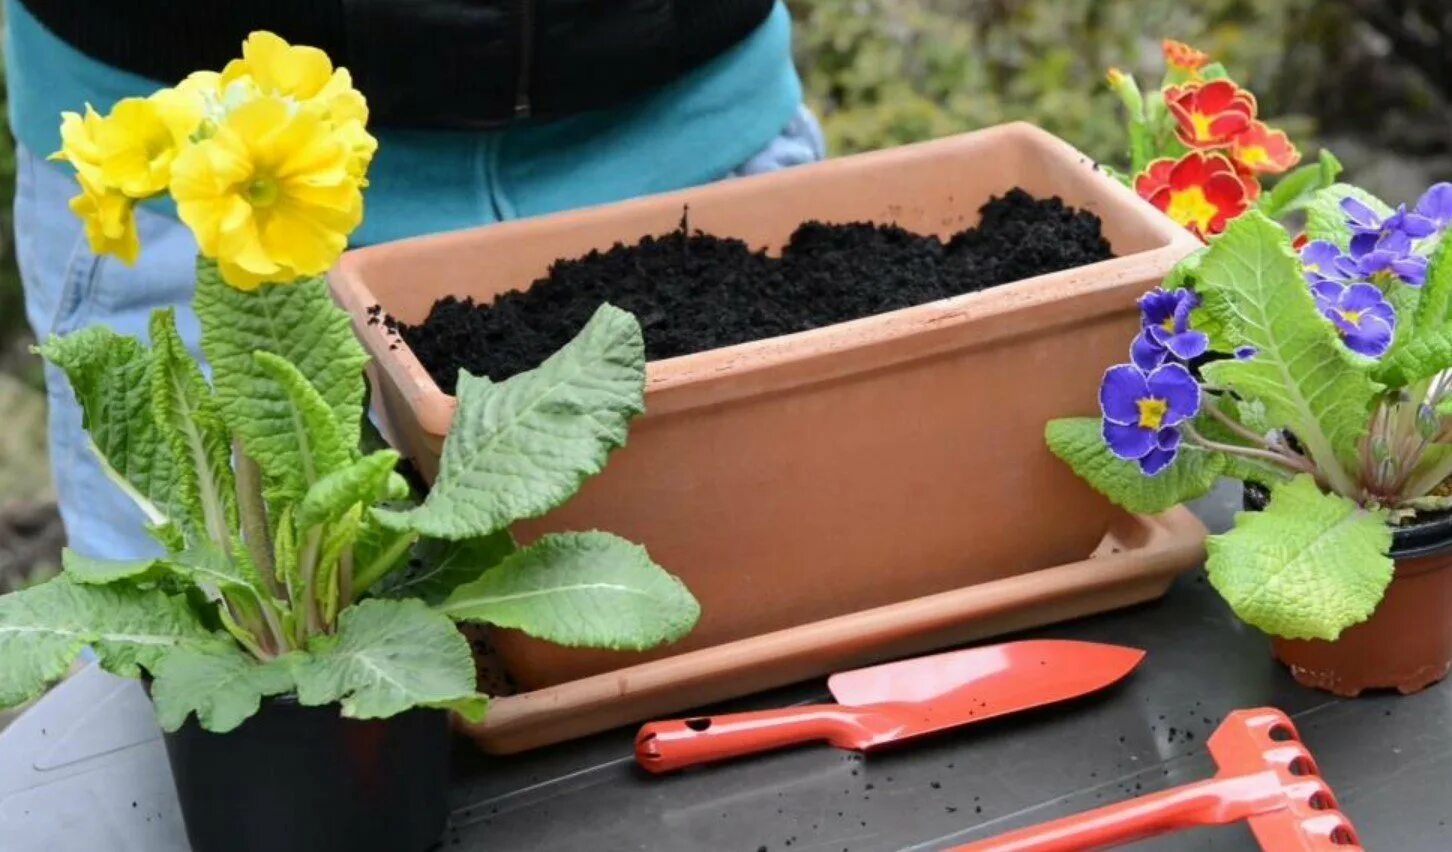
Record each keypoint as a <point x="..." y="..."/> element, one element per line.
<point x="695" y="291"/>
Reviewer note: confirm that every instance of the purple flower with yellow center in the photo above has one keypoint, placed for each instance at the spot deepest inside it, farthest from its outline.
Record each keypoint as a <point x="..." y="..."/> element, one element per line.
<point x="1393" y="256"/>
<point x="1166" y="334"/>
<point x="1324" y="261"/>
<point x="1142" y="411"/>
<point x="1363" y="318"/>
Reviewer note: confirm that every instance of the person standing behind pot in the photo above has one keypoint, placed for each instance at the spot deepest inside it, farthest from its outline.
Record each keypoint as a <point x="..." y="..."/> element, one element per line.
<point x="484" y="110"/>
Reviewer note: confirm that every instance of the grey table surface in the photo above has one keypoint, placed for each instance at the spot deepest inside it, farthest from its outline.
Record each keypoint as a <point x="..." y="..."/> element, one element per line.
<point x="84" y="770"/>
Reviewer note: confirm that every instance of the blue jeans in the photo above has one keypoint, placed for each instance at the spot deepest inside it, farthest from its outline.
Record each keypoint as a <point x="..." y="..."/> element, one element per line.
<point x="67" y="287"/>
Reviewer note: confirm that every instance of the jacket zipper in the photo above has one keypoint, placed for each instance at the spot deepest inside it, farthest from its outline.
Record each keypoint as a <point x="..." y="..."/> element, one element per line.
<point x="526" y="59"/>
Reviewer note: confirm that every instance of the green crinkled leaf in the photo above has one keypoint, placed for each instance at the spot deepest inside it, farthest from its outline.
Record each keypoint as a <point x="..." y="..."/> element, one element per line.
<point x="1309" y="566"/>
<point x="1405" y="300"/>
<point x="388" y="656"/>
<point x="44" y="627"/>
<point x="316" y="444"/>
<point x="364" y="481"/>
<point x="220" y="683"/>
<point x="109" y="374"/>
<point x="590" y="589"/>
<point x="209" y="567"/>
<point x="518" y="448"/>
<point x="285" y="552"/>
<point x="443" y="566"/>
<point x="1434" y="309"/>
<point x="99" y="572"/>
<point x="341" y="534"/>
<point x="1325" y="220"/>
<point x="1077" y="440"/>
<point x="1308" y="382"/>
<point x="300" y="323"/>
<point x="1423" y="345"/>
<point x="187" y="416"/>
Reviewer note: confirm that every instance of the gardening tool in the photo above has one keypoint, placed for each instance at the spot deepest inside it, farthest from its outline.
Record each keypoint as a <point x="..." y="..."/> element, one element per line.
<point x="1266" y="776"/>
<point x="897" y="701"/>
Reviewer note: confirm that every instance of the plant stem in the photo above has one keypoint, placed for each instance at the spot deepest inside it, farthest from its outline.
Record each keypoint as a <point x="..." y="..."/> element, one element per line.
<point x="345" y="584"/>
<point x="253" y="514"/>
<point x="367" y="575"/>
<point x="1297" y="463"/>
<point x="307" y="568"/>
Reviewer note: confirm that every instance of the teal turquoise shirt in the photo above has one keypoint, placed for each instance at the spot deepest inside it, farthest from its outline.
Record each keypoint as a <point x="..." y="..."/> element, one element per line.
<point x="692" y="131"/>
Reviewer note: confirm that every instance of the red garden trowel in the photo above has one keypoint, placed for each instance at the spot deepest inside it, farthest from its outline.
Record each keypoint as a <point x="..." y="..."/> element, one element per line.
<point x="897" y="701"/>
<point x="1265" y="777"/>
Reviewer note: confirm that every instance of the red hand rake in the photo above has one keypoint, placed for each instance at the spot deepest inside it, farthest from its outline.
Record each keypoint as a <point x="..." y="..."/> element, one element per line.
<point x="1266" y="776"/>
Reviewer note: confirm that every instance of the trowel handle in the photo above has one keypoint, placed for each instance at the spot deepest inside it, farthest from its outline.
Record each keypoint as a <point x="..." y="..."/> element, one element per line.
<point x="667" y="746"/>
<point x="1215" y="802"/>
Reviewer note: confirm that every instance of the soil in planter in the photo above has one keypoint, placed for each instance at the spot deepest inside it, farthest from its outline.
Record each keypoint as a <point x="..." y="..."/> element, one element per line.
<point x="695" y="291"/>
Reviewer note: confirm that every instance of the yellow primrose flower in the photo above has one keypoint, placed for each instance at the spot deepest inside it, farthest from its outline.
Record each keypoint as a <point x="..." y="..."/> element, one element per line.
<point x="185" y="106"/>
<point x="306" y="75"/>
<point x="131" y="149"/>
<point x="79" y="146"/>
<point x="110" y="220"/>
<point x="271" y="194"/>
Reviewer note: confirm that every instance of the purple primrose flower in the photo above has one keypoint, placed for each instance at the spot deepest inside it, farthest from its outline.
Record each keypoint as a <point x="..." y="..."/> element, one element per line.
<point x="1166" y="334"/>
<point x="1142" y="410"/>
<point x="1365" y="320"/>
<point x="1436" y="204"/>
<point x="1324" y="261"/>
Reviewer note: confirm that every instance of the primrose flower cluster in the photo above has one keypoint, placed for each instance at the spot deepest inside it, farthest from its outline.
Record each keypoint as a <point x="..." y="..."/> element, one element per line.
<point x="1198" y="150"/>
<point x="1145" y="402"/>
<point x="1384" y="251"/>
<point x="266" y="161"/>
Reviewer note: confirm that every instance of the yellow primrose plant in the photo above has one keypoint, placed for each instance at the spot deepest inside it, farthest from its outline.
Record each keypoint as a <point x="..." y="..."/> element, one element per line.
<point x="295" y="563"/>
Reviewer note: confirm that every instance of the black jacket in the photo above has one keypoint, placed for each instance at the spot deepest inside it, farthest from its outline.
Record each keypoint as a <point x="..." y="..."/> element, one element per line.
<point x="428" y="63"/>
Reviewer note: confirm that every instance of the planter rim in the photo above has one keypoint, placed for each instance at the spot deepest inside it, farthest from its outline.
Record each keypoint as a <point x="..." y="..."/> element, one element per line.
<point x="791" y="360"/>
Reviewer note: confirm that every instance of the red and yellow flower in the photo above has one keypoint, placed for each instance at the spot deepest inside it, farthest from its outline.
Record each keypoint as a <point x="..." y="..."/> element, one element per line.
<point x="1263" y="150"/>
<point x="1210" y="114"/>
<point x="1182" y="56"/>
<point x="1202" y="190"/>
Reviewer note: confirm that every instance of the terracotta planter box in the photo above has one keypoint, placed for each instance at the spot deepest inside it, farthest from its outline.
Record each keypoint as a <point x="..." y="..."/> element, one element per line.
<point x="809" y="476"/>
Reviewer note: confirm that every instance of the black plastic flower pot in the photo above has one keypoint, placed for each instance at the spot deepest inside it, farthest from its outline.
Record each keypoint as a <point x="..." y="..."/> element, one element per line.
<point x="306" y="779"/>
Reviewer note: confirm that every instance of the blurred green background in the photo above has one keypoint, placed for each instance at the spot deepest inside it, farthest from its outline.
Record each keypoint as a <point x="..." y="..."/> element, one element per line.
<point x="1369" y="79"/>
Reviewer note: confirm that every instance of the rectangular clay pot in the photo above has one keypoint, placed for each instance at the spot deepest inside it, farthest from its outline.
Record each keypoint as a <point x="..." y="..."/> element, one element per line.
<point x="803" y="477"/>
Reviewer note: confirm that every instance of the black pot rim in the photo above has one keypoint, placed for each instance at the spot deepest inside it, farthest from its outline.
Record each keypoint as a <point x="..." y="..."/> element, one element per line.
<point x="1423" y="537"/>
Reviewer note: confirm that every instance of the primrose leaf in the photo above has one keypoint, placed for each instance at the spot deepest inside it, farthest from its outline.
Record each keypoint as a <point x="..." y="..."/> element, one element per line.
<point x="1405" y="301"/>
<point x="1325" y="220"/>
<point x="100" y="572"/>
<point x="518" y="448"/>
<point x="440" y="567"/>
<point x="44" y="627"/>
<point x="1307" y="567"/>
<point x="297" y="322"/>
<point x="1308" y="382"/>
<point x="1299" y="187"/>
<point x="310" y="442"/>
<point x="590" y="589"/>
<point x="387" y="657"/>
<point x="1077" y="440"/>
<point x="364" y="481"/>
<point x="1434" y="309"/>
<point x="189" y="420"/>
<point x="207" y="566"/>
<point x="219" y="682"/>
<point x="109" y="374"/>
